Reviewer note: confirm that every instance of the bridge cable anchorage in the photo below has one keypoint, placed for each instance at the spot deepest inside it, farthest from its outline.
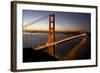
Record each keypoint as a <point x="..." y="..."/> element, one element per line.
<point x="34" y="22"/>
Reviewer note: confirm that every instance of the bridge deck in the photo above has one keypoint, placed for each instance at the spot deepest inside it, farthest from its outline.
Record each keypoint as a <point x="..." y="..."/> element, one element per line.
<point x="58" y="42"/>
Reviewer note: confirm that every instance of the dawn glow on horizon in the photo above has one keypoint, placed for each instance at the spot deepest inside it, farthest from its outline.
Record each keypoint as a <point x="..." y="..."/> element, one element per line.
<point x="64" y="21"/>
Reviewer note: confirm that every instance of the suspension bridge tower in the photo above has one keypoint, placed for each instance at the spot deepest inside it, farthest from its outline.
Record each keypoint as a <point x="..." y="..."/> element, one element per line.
<point x="51" y="34"/>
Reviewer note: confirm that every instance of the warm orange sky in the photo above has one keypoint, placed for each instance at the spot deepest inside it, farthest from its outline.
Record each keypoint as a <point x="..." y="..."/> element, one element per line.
<point x="68" y="21"/>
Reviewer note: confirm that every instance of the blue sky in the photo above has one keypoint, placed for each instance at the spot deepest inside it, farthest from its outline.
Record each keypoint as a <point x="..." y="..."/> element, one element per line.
<point x="68" y="21"/>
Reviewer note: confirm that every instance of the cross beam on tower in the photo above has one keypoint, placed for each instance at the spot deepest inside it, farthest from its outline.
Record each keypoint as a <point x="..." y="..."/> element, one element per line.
<point x="51" y="34"/>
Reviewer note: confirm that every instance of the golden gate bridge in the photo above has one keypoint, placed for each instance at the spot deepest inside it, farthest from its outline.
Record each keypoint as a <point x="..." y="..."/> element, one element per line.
<point x="50" y="45"/>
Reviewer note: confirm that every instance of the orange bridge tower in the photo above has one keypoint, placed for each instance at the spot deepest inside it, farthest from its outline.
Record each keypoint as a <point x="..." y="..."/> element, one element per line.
<point x="51" y="34"/>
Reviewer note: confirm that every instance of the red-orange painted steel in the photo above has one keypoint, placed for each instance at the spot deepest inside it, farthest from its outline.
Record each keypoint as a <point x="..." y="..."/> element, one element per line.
<point x="51" y="34"/>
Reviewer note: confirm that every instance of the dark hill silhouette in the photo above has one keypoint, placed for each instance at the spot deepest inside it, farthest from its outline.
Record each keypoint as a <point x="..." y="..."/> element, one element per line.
<point x="30" y="55"/>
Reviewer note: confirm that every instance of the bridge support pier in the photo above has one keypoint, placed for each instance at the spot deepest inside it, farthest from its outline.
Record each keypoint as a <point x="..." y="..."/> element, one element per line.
<point x="51" y="34"/>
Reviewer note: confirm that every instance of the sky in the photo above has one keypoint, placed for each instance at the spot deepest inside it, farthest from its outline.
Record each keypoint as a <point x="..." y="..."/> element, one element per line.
<point x="67" y="21"/>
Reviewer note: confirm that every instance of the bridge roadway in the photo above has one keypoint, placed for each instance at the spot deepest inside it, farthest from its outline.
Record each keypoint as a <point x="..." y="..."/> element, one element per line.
<point x="58" y="42"/>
